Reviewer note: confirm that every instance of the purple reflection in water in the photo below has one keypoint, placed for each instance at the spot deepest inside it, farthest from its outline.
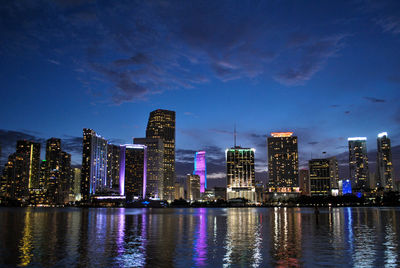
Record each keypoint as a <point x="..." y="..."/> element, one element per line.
<point x="200" y="243"/>
<point x="121" y="231"/>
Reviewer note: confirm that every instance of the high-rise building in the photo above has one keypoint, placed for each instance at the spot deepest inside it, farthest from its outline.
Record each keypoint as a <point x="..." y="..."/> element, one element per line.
<point x="320" y="177"/>
<point x="334" y="172"/>
<point x="283" y="163"/>
<point x="161" y="125"/>
<point x="155" y="165"/>
<point x="384" y="165"/>
<point x="358" y="162"/>
<point x="22" y="170"/>
<point x="57" y="172"/>
<point x="200" y="169"/>
<point x="240" y="173"/>
<point x="193" y="187"/>
<point x="133" y="171"/>
<point x="304" y="182"/>
<point x="77" y="183"/>
<point x="94" y="165"/>
<point x="113" y="155"/>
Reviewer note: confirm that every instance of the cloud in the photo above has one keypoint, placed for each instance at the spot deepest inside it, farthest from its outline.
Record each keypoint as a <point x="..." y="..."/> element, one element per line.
<point x="54" y="61"/>
<point x="374" y="100"/>
<point x="136" y="49"/>
<point x="218" y="175"/>
<point x="347" y="112"/>
<point x="308" y="58"/>
<point x="390" y="24"/>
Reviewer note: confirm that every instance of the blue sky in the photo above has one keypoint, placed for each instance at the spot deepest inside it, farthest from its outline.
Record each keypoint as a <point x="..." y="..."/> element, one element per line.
<point x="326" y="70"/>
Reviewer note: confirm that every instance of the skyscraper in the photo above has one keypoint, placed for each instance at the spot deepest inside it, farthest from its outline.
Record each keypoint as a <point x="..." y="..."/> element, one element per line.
<point x="200" y="169"/>
<point x="133" y="171"/>
<point x="161" y="125"/>
<point x="384" y="167"/>
<point x="193" y="187"/>
<point x="240" y="173"/>
<point x="334" y="172"/>
<point x="283" y="163"/>
<point x="155" y="166"/>
<point x="21" y="172"/>
<point x="94" y="165"/>
<point x="358" y="162"/>
<point x="113" y="156"/>
<point x="320" y="177"/>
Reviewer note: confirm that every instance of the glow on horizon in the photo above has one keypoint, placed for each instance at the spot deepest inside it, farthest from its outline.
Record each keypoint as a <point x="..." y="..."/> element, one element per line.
<point x="357" y="139"/>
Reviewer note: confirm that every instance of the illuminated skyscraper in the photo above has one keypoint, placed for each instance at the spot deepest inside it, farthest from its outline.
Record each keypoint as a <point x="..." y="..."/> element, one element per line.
<point x="161" y="125"/>
<point x="155" y="165"/>
<point x="283" y="163"/>
<point x="22" y="170"/>
<point x="240" y="173"/>
<point x="384" y="162"/>
<point x="94" y="165"/>
<point x="113" y="155"/>
<point x="57" y="172"/>
<point x="320" y="177"/>
<point x="133" y="171"/>
<point x="193" y="187"/>
<point x="358" y="162"/>
<point x="77" y="183"/>
<point x="200" y="169"/>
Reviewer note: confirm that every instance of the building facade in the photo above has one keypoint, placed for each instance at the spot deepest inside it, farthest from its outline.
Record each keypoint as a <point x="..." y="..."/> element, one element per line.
<point x="304" y="182"/>
<point x="161" y="125"/>
<point x="283" y="163"/>
<point x="133" y="171"/>
<point x="94" y="165"/>
<point x="200" y="169"/>
<point x="240" y="173"/>
<point x="193" y="187"/>
<point x="155" y="166"/>
<point x="320" y="177"/>
<point x="384" y="166"/>
<point x="358" y="162"/>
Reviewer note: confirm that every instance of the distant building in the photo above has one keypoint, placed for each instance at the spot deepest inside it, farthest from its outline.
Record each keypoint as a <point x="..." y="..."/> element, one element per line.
<point x="304" y="182"/>
<point x="358" y="162"/>
<point x="77" y="183"/>
<point x="384" y="166"/>
<point x="94" y="165"/>
<point x="346" y="187"/>
<point x="155" y="165"/>
<point x="200" y="169"/>
<point x="193" y="187"/>
<point x="283" y="163"/>
<point x="334" y="172"/>
<point x="240" y="173"/>
<point x="320" y="177"/>
<point x="133" y="171"/>
<point x="161" y="125"/>
<point x="179" y="191"/>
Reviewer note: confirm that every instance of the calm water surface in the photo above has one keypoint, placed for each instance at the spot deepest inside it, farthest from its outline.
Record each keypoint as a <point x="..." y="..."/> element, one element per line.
<point x="202" y="237"/>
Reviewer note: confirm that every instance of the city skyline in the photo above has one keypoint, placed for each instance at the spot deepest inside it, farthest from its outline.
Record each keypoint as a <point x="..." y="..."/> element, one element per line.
<point x="285" y="69"/>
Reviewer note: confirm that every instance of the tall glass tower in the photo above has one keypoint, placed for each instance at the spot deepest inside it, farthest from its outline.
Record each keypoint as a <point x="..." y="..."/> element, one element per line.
<point x="200" y="169"/>
<point x="384" y="162"/>
<point x="161" y="125"/>
<point x="240" y="173"/>
<point x="283" y="162"/>
<point x="358" y="162"/>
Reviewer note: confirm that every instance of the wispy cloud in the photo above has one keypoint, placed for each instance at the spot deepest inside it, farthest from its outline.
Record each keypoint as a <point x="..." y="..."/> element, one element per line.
<point x="375" y="100"/>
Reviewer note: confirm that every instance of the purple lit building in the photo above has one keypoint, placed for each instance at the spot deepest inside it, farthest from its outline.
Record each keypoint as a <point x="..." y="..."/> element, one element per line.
<point x="133" y="171"/>
<point x="200" y="169"/>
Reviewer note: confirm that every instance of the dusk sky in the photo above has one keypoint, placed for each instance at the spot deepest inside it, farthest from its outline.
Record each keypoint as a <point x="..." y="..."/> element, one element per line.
<point x="326" y="70"/>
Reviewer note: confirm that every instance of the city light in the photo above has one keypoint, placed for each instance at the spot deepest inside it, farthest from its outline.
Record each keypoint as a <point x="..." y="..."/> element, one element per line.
<point x="382" y="134"/>
<point x="281" y="134"/>
<point x="357" y="139"/>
